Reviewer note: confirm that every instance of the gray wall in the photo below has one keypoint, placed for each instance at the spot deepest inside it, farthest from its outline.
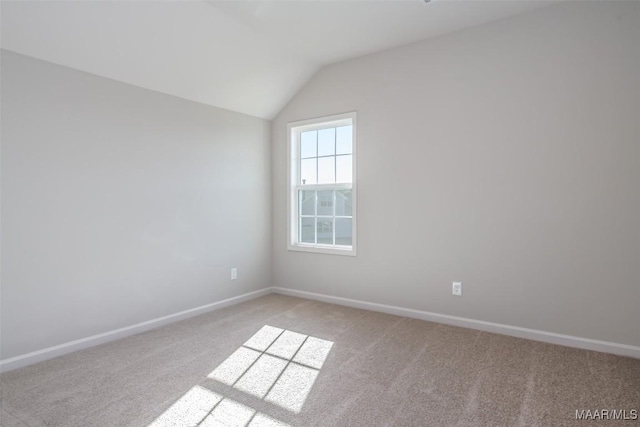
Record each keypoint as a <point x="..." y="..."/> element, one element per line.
<point x="120" y="205"/>
<point x="505" y="156"/>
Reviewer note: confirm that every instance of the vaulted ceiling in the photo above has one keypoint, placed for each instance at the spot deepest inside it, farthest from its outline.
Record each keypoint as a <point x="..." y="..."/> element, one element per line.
<point x="245" y="56"/>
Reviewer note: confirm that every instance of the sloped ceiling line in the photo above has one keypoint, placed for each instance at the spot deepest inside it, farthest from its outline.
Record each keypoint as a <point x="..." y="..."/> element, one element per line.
<point x="246" y="56"/>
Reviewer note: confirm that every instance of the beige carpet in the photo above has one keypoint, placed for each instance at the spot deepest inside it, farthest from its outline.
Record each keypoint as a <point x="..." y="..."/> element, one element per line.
<point x="381" y="370"/>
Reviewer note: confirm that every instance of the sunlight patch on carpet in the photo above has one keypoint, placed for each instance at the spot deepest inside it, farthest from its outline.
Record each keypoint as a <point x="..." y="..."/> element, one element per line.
<point x="277" y="365"/>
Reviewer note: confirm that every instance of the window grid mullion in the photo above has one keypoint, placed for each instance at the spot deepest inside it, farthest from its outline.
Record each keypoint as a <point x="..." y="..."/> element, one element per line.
<point x="315" y="217"/>
<point x="337" y="186"/>
<point x="333" y="217"/>
<point x="335" y="165"/>
<point x="317" y="175"/>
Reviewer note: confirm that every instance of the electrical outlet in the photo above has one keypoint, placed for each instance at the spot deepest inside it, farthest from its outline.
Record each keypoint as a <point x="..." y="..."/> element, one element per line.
<point x="456" y="289"/>
<point x="234" y="273"/>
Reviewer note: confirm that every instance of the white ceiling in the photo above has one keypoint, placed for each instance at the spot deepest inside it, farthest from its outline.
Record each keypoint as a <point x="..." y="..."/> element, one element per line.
<point x="245" y="56"/>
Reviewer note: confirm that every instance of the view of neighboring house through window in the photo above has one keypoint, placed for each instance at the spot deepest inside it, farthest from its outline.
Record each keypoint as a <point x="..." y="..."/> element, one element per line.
<point x="322" y="185"/>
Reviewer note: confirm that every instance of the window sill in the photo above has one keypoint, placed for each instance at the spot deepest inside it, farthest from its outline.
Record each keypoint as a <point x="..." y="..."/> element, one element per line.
<point x="322" y="249"/>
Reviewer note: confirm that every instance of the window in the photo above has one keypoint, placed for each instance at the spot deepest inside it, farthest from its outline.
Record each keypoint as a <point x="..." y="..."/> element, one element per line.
<point x="322" y="191"/>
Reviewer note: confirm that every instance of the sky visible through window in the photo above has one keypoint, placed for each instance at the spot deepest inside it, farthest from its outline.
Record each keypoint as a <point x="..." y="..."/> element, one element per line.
<point x="276" y="365"/>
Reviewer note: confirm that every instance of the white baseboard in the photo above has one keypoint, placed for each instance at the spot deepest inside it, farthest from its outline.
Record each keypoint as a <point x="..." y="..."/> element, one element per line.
<point x="69" y="347"/>
<point x="532" y="334"/>
<point x="515" y="331"/>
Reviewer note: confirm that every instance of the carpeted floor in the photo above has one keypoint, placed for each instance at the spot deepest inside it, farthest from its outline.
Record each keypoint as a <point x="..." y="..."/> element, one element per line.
<point x="381" y="370"/>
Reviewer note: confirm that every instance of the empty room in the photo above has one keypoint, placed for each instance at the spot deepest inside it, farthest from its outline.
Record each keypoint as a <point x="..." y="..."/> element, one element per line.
<point x="273" y="213"/>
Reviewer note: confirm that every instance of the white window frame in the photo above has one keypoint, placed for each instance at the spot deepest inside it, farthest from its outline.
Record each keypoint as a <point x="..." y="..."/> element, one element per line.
<point x="294" y="129"/>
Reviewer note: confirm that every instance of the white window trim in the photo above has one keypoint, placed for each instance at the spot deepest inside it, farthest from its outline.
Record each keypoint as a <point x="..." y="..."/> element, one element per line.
<point x="293" y="174"/>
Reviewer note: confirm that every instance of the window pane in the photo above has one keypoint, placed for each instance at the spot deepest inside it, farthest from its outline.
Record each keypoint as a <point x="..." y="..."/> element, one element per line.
<point x="344" y="169"/>
<point x="308" y="146"/>
<point x="343" y="139"/>
<point x="325" y="202"/>
<point x="307" y="202"/>
<point x="344" y="203"/>
<point x="308" y="171"/>
<point x="307" y="230"/>
<point x="325" y="230"/>
<point x="343" y="231"/>
<point x="326" y="170"/>
<point x="327" y="142"/>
